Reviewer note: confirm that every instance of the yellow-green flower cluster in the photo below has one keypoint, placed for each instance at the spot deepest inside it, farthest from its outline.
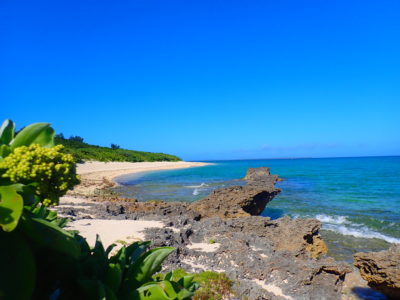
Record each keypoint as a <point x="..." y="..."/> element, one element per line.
<point x="51" y="171"/>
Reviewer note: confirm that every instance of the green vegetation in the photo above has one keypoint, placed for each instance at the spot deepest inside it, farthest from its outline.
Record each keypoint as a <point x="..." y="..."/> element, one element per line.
<point x="82" y="151"/>
<point x="213" y="285"/>
<point x="40" y="259"/>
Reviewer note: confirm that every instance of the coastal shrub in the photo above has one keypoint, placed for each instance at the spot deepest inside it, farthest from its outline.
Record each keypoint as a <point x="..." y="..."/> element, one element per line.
<point x="82" y="151"/>
<point x="42" y="260"/>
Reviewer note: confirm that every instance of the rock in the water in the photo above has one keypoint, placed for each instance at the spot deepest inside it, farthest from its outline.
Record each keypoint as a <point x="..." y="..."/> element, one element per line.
<point x="381" y="270"/>
<point x="235" y="201"/>
<point x="240" y="201"/>
<point x="260" y="176"/>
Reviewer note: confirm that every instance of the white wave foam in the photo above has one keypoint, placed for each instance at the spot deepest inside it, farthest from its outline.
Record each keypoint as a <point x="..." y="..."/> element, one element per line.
<point x="197" y="188"/>
<point x="342" y="225"/>
<point x="360" y="232"/>
<point x="332" y="219"/>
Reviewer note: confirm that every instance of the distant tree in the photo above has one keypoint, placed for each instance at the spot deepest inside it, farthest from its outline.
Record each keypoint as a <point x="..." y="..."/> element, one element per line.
<point x="76" y="139"/>
<point x="114" y="146"/>
<point x="60" y="136"/>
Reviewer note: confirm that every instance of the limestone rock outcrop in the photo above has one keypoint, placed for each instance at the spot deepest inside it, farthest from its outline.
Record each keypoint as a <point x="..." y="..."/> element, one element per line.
<point x="240" y="201"/>
<point x="381" y="270"/>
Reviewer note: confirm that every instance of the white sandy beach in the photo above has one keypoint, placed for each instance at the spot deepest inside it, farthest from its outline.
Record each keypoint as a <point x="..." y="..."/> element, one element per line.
<point x="111" y="170"/>
<point x="110" y="231"/>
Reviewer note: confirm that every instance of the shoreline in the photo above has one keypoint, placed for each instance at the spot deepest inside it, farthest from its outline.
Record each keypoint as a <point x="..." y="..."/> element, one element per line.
<point x="97" y="175"/>
<point x="112" y="170"/>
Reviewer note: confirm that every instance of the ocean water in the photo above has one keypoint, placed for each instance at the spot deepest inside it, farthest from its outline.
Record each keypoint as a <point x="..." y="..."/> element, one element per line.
<point x="356" y="199"/>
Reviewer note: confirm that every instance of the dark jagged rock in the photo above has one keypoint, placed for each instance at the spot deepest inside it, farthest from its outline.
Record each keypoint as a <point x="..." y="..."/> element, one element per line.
<point x="381" y="270"/>
<point x="251" y="251"/>
<point x="240" y="201"/>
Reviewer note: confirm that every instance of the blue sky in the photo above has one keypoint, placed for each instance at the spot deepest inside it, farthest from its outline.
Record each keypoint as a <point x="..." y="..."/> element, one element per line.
<point x="208" y="79"/>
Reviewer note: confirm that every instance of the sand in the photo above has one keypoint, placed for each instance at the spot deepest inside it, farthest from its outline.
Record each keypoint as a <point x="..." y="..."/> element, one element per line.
<point x="97" y="175"/>
<point x="110" y="170"/>
<point x="113" y="231"/>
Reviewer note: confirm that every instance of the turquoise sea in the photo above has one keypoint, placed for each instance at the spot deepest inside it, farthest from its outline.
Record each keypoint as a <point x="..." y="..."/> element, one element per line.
<point x="356" y="199"/>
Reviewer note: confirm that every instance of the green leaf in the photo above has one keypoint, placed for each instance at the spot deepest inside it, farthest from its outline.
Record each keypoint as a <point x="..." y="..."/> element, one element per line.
<point x="110" y="248"/>
<point x="136" y="249"/>
<point x="113" y="276"/>
<point x="48" y="235"/>
<point x="141" y="271"/>
<point x="45" y="138"/>
<point x="93" y="289"/>
<point x="153" y="291"/>
<point x="4" y="150"/>
<point x="11" y="206"/>
<point x="99" y="248"/>
<point x="119" y="258"/>
<point x="7" y="130"/>
<point x="37" y="133"/>
<point x="18" y="270"/>
<point x="186" y="281"/>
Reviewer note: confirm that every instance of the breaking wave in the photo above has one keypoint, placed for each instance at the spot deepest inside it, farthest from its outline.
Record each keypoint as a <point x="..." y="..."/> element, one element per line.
<point x="341" y="224"/>
<point x="197" y="189"/>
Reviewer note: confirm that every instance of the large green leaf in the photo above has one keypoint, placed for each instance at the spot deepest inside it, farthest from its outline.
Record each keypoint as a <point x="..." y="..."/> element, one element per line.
<point x="18" y="271"/>
<point x="45" y="138"/>
<point x="37" y="133"/>
<point x="136" y="249"/>
<point x="48" y="235"/>
<point x="7" y="130"/>
<point x="11" y="206"/>
<point x="141" y="271"/>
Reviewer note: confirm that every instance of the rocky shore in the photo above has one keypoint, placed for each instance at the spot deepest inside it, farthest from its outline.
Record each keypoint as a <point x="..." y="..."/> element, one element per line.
<point x="265" y="259"/>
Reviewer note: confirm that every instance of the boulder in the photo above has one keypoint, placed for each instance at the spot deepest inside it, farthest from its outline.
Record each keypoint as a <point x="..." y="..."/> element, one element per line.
<point x="260" y="176"/>
<point x="235" y="201"/>
<point x="240" y="201"/>
<point x="381" y="270"/>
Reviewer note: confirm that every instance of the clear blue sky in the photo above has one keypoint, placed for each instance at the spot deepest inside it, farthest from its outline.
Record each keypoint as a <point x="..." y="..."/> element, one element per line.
<point x="208" y="79"/>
